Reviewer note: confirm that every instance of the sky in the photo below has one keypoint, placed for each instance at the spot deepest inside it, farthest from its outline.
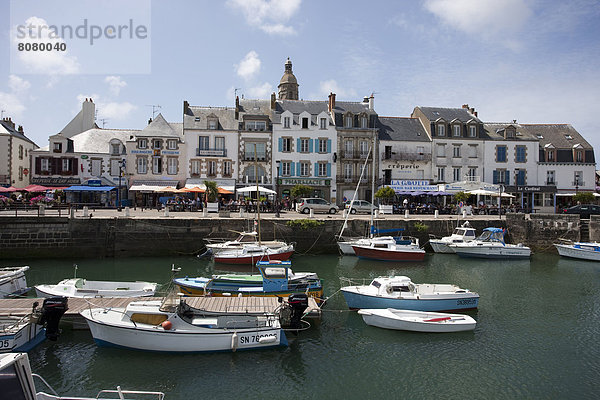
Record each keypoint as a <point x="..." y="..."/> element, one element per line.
<point x="534" y="61"/>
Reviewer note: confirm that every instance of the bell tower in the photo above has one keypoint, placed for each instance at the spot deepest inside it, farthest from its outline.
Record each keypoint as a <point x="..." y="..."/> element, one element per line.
<point x="288" y="85"/>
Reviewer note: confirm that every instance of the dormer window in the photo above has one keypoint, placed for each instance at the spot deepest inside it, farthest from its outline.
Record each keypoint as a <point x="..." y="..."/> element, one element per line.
<point x="568" y="137"/>
<point x="323" y="123"/>
<point x="539" y="136"/>
<point x="472" y="131"/>
<point x="142" y="144"/>
<point x="363" y="123"/>
<point x="57" y="147"/>
<point x="286" y="122"/>
<point x="348" y="121"/>
<point x="441" y="130"/>
<point x="550" y="154"/>
<point x="456" y="130"/>
<point x="256" y="125"/>
<point x="304" y="123"/>
<point x="509" y="133"/>
<point x="212" y="124"/>
<point x="115" y="149"/>
<point x="197" y="119"/>
<point x="579" y="156"/>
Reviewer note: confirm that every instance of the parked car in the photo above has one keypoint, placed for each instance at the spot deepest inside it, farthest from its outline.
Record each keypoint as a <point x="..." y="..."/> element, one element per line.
<point x="361" y="206"/>
<point x="317" y="205"/>
<point x="584" y="210"/>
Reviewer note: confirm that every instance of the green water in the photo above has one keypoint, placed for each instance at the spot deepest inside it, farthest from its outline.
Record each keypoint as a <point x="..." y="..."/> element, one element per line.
<point x="537" y="337"/>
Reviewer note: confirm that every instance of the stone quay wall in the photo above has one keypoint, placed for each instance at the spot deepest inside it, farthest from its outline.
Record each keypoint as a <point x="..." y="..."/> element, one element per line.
<point x="61" y="237"/>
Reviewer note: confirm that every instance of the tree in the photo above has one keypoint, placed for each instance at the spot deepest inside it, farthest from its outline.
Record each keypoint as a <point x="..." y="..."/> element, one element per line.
<point x="301" y="191"/>
<point x="212" y="191"/>
<point x="460" y="196"/>
<point x="584" y="198"/>
<point x="385" y="194"/>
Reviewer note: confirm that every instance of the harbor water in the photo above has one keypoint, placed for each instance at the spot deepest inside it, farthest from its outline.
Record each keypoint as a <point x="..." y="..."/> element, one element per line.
<point x="537" y="336"/>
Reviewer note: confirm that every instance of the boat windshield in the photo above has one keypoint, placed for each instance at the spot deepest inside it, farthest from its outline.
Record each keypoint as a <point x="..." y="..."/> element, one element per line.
<point x="459" y="231"/>
<point x="491" y="236"/>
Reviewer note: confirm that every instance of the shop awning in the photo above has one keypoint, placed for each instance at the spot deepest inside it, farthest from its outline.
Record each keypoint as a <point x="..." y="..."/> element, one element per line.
<point x="89" y="189"/>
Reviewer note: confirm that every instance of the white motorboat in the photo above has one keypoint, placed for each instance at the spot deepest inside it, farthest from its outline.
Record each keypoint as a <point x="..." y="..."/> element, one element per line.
<point x="250" y="254"/>
<point x="171" y="326"/>
<point x="390" y="249"/>
<point x="18" y="383"/>
<point x="243" y="239"/>
<point x="490" y="244"/>
<point x="79" y="287"/>
<point x="417" y="321"/>
<point x="19" y="334"/>
<point x="401" y="293"/>
<point x="580" y="250"/>
<point x="13" y="282"/>
<point x="462" y="234"/>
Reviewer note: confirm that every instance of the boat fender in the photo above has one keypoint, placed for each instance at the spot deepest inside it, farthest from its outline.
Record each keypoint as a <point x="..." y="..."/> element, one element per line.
<point x="166" y="325"/>
<point x="234" y="341"/>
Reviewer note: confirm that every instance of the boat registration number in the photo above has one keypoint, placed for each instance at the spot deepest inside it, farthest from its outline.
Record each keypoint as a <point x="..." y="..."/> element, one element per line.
<point x="465" y="302"/>
<point x="251" y="339"/>
<point x="6" y="344"/>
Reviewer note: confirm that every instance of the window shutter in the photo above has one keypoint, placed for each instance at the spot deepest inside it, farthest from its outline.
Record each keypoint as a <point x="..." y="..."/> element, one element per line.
<point x="280" y="144"/>
<point x="329" y="145"/>
<point x="507" y="177"/>
<point x="38" y="165"/>
<point x="432" y="128"/>
<point x="298" y="148"/>
<point x="310" y="145"/>
<point x="316" y="170"/>
<point x="292" y="172"/>
<point x="495" y="178"/>
<point x="328" y="169"/>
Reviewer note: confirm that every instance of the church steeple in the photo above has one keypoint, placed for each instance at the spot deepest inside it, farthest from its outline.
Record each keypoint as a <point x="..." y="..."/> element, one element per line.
<point x="288" y="85"/>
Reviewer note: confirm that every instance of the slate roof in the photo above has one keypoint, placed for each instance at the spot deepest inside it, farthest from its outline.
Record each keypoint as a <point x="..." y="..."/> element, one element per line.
<point x="225" y="115"/>
<point x="495" y="131"/>
<point x="97" y="140"/>
<point x="161" y="128"/>
<point x="556" y="134"/>
<point x="402" y="129"/>
<point x="354" y="107"/>
<point x="296" y="107"/>
<point x="255" y="107"/>
<point x="448" y="114"/>
<point x="6" y="128"/>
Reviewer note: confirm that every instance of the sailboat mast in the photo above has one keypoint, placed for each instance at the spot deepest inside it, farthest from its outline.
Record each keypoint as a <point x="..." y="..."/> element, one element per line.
<point x="257" y="193"/>
<point x="372" y="182"/>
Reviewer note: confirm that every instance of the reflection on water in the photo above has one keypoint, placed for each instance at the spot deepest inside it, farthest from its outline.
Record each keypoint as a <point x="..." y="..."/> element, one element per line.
<point x="537" y="336"/>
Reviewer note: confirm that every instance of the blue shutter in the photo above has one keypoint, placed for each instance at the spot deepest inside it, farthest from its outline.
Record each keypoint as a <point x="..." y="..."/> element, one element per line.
<point x="316" y="170"/>
<point x="328" y="169"/>
<point x="298" y="145"/>
<point x="280" y="145"/>
<point x="495" y="179"/>
<point x="329" y="145"/>
<point x="507" y="177"/>
<point x="292" y="172"/>
<point x="310" y="145"/>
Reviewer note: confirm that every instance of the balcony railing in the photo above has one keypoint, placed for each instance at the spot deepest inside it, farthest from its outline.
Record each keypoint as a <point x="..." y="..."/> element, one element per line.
<point x="354" y="154"/>
<point x="259" y="156"/>
<point x="578" y="183"/>
<point x="406" y="156"/>
<point x="351" y="179"/>
<point x="211" y="152"/>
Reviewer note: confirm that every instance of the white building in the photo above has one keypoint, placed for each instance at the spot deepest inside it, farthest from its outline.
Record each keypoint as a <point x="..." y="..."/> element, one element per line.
<point x="15" y="149"/>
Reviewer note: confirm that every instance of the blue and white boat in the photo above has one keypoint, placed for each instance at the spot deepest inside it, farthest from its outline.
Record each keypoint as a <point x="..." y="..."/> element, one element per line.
<point x="490" y="244"/>
<point x="580" y="250"/>
<point x="401" y="293"/>
<point x="19" y="334"/>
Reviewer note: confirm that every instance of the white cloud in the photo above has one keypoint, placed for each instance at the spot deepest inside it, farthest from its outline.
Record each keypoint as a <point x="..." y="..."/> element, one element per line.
<point x="270" y="16"/>
<point x="260" y="91"/>
<point x="331" y="85"/>
<point x="108" y="109"/>
<point x="18" y="85"/>
<point x="499" y="20"/>
<point x="44" y="62"/>
<point x="115" y="84"/>
<point x="12" y="102"/>
<point x="249" y="66"/>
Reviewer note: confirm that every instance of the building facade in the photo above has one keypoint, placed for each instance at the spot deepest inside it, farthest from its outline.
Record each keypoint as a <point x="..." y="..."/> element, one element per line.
<point x="15" y="149"/>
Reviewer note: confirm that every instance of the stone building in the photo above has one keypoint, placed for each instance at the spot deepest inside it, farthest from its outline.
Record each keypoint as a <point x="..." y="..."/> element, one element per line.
<point x="15" y="149"/>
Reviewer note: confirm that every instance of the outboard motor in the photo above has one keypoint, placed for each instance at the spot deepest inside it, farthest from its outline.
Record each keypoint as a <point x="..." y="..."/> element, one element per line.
<point x="52" y="310"/>
<point x="298" y="303"/>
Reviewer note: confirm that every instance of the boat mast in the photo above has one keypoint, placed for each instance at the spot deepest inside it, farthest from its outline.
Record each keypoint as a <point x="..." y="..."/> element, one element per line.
<point x="257" y="193"/>
<point x="372" y="183"/>
<point x="362" y="172"/>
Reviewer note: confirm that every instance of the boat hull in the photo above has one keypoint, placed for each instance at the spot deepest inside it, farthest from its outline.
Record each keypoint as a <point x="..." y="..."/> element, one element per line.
<point x="417" y="321"/>
<point x="439" y="246"/>
<point x="496" y="252"/>
<point x="346" y="248"/>
<point x="357" y="301"/>
<point x="48" y="291"/>
<point x="157" y="339"/>
<point x="23" y="339"/>
<point x="13" y="282"/>
<point x="388" y="255"/>
<point x="580" y="254"/>
<point x="252" y="259"/>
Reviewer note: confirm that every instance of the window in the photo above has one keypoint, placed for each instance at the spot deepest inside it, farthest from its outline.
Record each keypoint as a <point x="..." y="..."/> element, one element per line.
<point x="212" y="124"/>
<point x="212" y="168"/>
<point x="473" y="151"/>
<point x="322" y="169"/>
<point x="286" y="144"/>
<point x="65" y="165"/>
<point x="578" y="178"/>
<point x="203" y="143"/>
<point x="114" y="167"/>
<point x="220" y="143"/>
<point x="363" y="123"/>
<point x="20" y="152"/>
<point x="441" y="150"/>
<point x="303" y="169"/>
<point x="364" y="148"/>
<point x="347" y="171"/>
<point x="322" y="145"/>
<point x="550" y="178"/>
<point x="171" y="144"/>
<point x="500" y="153"/>
<point x="258" y="148"/>
<point x="304" y="145"/>
<point x="520" y="154"/>
<point x="501" y="176"/>
<point x="115" y="149"/>
<point x="304" y="123"/>
<point x="142" y="144"/>
<point x="285" y="168"/>
<point x="441" y="174"/>
<point x="172" y="166"/>
<point x="256" y="125"/>
<point x="323" y="123"/>
<point x="142" y="165"/>
<point x="20" y="173"/>
<point x="471" y="173"/>
<point x="472" y="131"/>
<point x="520" y="177"/>
<point x="349" y="148"/>
<point x="157" y="165"/>
<point x="286" y="122"/>
<point x="349" y="121"/>
<point x="197" y="119"/>
<point x="57" y="147"/>
<point x="156" y="144"/>
<point x="568" y="137"/>
<point x="45" y="164"/>
<point x="456" y="130"/>
<point x="441" y="130"/>
<point x="226" y="168"/>
<point x="456" y="174"/>
<point x="195" y="167"/>
<point x="456" y="151"/>
<point x="579" y="156"/>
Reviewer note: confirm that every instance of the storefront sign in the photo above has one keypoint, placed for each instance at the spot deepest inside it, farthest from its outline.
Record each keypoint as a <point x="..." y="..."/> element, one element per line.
<point x="84" y="157"/>
<point x="530" y="189"/>
<point x="139" y="152"/>
<point x="305" y="181"/>
<point x="55" y="181"/>
<point x="401" y="166"/>
<point x="170" y="152"/>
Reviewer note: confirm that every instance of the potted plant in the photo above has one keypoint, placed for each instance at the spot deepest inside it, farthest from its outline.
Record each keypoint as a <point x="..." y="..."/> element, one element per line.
<point x="212" y="191"/>
<point x="384" y="195"/>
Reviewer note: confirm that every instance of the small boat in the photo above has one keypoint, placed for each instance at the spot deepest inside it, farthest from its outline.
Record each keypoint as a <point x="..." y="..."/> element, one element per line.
<point x="18" y="383"/>
<point x="390" y="249"/>
<point x="244" y="238"/>
<point x="13" y="282"/>
<point x="79" y="287"/>
<point x="401" y="293"/>
<point x="580" y="250"/>
<point x="174" y="326"/>
<point x="24" y="333"/>
<point x="462" y="234"/>
<point x="417" y="321"/>
<point x="276" y="278"/>
<point x="250" y="254"/>
<point x="490" y="244"/>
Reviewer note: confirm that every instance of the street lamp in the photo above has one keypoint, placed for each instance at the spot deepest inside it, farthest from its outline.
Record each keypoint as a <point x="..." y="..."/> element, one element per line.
<point x="122" y="165"/>
<point x="277" y="205"/>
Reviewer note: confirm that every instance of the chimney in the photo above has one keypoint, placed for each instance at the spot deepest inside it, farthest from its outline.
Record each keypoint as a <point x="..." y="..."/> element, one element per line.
<point x="186" y="105"/>
<point x="366" y="99"/>
<point x="20" y="128"/>
<point x="237" y="107"/>
<point x="465" y="106"/>
<point x="371" y="102"/>
<point x="149" y="121"/>
<point x="273" y="101"/>
<point x="88" y="116"/>
<point x="331" y="101"/>
<point x="514" y="121"/>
